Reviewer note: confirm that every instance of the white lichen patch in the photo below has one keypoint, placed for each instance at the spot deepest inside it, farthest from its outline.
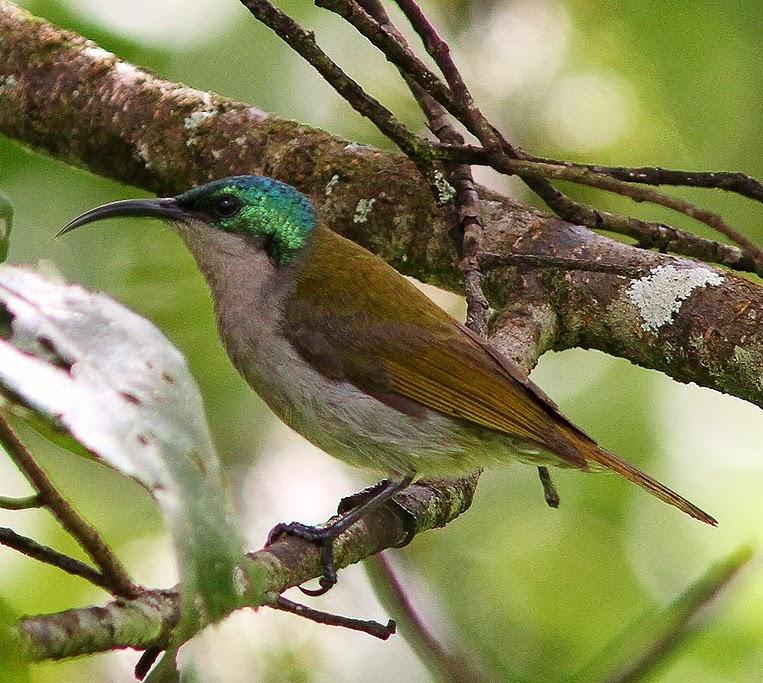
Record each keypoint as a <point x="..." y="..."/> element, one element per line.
<point x="355" y="147"/>
<point x="445" y="191"/>
<point x="93" y="52"/>
<point x="9" y="80"/>
<point x="660" y="295"/>
<point x="128" y="74"/>
<point x="199" y="117"/>
<point x="196" y="118"/>
<point x="332" y="184"/>
<point x="363" y="210"/>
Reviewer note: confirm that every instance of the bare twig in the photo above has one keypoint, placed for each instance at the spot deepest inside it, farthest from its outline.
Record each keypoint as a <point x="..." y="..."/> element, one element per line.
<point x="25" y="503"/>
<point x="303" y="42"/>
<point x="641" y="194"/>
<point x="450" y="667"/>
<point x="439" y="50"/>
<point x="502" y="154"/>
<point x="549" y="490"/>
<point x="466" y="200"/>
<point x="586" y="215"/>
<point x="370" y="19"/>
<point x="372" y="628"/>
<point x="117" y="580"/>
<point x="43" y="553"/>
<point x="730" y="181"/>
<point x="507" y="158"/>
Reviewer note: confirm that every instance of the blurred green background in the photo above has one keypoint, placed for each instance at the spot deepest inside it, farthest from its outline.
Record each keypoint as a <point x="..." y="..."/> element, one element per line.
<point x="534" y="594"/>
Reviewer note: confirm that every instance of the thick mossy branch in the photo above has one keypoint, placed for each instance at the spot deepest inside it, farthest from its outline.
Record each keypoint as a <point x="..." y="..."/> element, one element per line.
<point x="128" y="124"/>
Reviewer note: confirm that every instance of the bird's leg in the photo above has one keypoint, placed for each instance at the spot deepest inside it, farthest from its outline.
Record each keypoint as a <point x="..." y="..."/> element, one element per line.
<point x="549" y="490"/>
<point x="360" y="497"/>
<point x="355" y="499"/>
<point x="323" y="535"/>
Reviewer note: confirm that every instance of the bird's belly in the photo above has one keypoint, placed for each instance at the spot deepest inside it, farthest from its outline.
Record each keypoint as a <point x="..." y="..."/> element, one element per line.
<point x="366" y="432"/>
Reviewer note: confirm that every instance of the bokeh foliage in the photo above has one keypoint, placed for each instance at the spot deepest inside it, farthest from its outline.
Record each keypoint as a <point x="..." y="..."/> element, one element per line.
<point x="532" y="592"/>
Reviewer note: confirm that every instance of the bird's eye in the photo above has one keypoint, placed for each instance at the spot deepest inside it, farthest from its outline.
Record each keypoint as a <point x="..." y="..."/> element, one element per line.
<point x="226" y="205"/>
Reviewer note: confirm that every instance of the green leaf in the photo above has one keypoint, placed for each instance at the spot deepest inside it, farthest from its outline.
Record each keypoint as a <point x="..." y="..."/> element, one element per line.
<point x="653" y="639"/>
<point x="111" y="380"/>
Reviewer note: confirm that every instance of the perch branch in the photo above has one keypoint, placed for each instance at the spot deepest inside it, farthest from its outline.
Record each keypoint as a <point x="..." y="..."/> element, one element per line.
<point x="42" y="553"/>
<point x="372" y="628"/>
<point x="147" y="621"/>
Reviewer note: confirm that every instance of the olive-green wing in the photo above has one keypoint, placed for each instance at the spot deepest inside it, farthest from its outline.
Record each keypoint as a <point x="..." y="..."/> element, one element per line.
<point x="368" y="325"/>
<point x="444" y="369"/>
<point x="355" y="318"/>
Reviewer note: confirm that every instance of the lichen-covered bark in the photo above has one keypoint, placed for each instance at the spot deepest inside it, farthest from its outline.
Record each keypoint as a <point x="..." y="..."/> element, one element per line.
<point x="65" y="97"/>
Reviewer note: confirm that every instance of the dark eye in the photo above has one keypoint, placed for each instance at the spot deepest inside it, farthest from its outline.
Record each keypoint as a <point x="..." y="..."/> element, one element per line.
<point x="226" y="205"/>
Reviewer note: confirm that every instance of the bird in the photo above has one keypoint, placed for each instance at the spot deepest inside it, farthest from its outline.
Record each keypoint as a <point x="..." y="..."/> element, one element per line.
<point x="352" y="356"/>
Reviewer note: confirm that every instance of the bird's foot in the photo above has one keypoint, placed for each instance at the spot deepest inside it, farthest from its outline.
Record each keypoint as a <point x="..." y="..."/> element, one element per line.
<point x="369" y="493"/>
<point x="321" y="536"/>
<point x="355" y="500"/>
<point x="351" y="509"/>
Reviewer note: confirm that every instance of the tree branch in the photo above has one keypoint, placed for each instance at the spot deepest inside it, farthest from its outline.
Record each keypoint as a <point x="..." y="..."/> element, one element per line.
<point x="127" y="124"/>
<point x="113" y="575"/>
<point x="147" y="621"/>
<point x="693" y="322"/>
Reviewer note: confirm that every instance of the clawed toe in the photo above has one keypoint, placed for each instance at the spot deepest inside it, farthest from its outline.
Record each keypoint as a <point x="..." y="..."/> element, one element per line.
<point x="323" y="537"/>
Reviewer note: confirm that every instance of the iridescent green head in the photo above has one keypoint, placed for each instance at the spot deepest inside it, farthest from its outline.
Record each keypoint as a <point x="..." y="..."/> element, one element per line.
<point x="276" y="216"/>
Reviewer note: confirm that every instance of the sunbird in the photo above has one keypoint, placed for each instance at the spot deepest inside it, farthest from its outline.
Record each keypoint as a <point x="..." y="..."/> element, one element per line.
<point x="351" y="355"/>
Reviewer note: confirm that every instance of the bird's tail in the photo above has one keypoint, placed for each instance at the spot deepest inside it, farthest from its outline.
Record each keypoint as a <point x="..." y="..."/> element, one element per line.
<point x="595" y="453"/>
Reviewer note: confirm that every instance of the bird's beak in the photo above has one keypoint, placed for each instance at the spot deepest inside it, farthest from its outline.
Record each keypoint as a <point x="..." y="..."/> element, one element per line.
<point x="167" y="209"/>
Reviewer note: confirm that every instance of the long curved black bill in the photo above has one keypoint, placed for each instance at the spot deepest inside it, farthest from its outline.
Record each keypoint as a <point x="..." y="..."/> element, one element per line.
<point x="167" y="209"/>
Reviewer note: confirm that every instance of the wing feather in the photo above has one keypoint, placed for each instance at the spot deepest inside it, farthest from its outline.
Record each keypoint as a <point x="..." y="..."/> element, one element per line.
<point x="370" y="326"/>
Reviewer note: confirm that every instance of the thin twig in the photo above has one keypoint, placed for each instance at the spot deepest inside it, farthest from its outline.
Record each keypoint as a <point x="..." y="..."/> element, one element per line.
<point x="584" y="176"/>
<point x="26" y="503"/>
<point x="118" y="581"/>
<point x="466" y="200"/>
<point x="43" y="553"/>
<point x="497" y="151"/>
<point x="450" y="667"/>
<point x="642" y="194"/>
<point x="370" y="19"/>
<point x="372" y="628"/>
<point x="303" y="42"/>
<point x="549" y="490"/>
<point x="501" y="153"/>
<point x="730" y="181"/>
<point x="508" y="158"/>
<point x="145" y="662"/>
<point x="439" y="50"/>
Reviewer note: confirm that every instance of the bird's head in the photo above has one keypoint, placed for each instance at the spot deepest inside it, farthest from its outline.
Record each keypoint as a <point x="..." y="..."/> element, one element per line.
<point x="270" y="214"/>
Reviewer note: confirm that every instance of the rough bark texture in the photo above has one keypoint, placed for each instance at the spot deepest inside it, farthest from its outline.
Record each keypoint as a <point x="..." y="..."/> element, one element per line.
<point x="64" y="96"/>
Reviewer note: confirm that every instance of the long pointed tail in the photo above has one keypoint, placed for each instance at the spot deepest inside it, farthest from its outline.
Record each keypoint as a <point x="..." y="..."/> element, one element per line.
<point x="612" y="462"/>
